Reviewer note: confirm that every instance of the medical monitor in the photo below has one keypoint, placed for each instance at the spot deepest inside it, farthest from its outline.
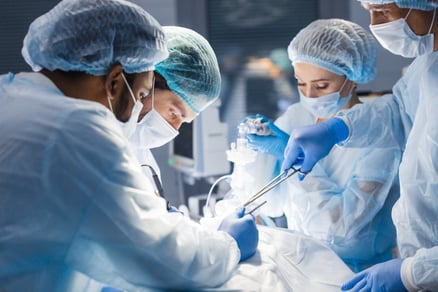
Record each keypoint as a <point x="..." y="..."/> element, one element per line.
<point x="200" y="148"/>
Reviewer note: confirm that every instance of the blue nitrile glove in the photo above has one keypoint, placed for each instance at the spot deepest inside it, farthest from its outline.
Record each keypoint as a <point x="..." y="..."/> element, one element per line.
<point x="272" y="144"/>
<point x="110" y="289"/>
<point x="173" y="209"/>
<point x="311" y="143"/>
<point x="381" y="277"/>
<point x="244" y="230"/>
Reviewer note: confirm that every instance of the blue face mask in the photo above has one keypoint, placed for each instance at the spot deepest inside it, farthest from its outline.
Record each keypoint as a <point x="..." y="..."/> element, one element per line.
<point x="327" y="105"/>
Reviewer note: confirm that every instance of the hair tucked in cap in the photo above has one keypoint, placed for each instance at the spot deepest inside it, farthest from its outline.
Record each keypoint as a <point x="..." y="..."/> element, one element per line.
<point x="191" y="70"/>
<point x="415" y="4"/>
<point x="91" y="36"/>
<point x="336" y="45"/>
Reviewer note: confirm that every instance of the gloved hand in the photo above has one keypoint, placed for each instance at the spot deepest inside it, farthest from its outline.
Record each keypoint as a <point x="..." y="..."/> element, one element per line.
<point x="381" y="277"/>
<point x="173" y="209"/>
<point x="110" y="289"/>
<point x="244" y="230"/>
<point x="272" y="144"/>
<point x="311" y="143"/>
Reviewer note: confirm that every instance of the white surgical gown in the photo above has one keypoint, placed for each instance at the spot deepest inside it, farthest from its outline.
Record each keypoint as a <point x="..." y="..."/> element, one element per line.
<point x="75" y="205"/>
<point x="411" y="114"/>
<point x="345" y="201"/>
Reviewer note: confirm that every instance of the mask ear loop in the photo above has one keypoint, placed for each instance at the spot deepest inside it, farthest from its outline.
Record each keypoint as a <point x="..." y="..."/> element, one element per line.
<point x="342" y="86"/>
<point x="407" y="15"/>
<point x="433" y="21"/>
<point x="109" y="103"/>
<point x="129" y="88"/>
<point x="153" y="92"/>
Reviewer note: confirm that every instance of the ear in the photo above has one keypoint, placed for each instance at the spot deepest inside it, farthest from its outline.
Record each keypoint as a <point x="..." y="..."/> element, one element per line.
<point x="114" y="81"/>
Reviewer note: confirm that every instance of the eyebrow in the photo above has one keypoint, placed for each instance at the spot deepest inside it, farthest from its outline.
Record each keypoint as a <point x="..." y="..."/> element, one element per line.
<point x="317" y="80"/>
<point x="376" y="7"/>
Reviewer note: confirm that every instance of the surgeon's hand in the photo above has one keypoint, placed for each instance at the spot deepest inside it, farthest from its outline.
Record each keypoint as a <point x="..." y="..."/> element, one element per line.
<point x="307" y="145"/>
<point x="381" y="277"/>
<point x="244" y="230"/>
<point x="273" y="144"/>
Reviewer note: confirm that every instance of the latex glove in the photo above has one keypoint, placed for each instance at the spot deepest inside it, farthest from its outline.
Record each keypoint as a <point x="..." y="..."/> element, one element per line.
<point x="244" y="230"/>
<point x="312" y="143"/>
<point x="381" y="277"/>
<point x="272" y="144"/>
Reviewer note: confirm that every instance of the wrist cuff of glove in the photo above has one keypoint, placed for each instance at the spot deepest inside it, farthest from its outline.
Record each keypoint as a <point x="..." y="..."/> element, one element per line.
<point x="340" y="128"/>
<point x="406" y="275"/>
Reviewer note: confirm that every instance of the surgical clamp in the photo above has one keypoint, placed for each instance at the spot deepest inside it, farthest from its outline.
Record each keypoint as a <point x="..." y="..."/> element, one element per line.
<point x="273" y="183"/>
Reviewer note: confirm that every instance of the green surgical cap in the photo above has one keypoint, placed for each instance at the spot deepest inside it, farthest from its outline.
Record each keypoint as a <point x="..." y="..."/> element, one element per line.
<point x="415" y="4"/>
<point x="191" y="70"/>
<point x="336" y="45"/>
<point x="92" y="35"/>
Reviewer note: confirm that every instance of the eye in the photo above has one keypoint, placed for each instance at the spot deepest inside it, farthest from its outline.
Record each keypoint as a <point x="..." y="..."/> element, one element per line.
<point x="320" y="86"/>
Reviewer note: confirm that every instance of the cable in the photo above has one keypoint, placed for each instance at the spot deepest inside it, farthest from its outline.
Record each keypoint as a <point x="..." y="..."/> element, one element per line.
<point x="211" y="190"/>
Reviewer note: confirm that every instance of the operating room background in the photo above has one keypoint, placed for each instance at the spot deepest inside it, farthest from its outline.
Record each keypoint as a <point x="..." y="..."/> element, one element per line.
<point x="250" y="38"/>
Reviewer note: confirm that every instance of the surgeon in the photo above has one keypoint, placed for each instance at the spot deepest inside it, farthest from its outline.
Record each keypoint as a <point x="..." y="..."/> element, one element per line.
<point x="408" y="120"/>
<point x="346" y="200"/>
<point x="186" y="83"/>
<point x="75" y="205"/>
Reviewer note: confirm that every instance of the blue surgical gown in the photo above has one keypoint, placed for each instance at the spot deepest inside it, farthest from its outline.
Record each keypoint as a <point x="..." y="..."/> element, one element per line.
<point x="75" y="207"/>
<point x="345" y="201"/>
<point x="409" y="119"/>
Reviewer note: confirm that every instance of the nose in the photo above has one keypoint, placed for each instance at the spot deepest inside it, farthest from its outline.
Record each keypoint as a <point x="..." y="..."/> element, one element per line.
<point x="308" y="91"/>
<point x="176" y="123"/>
<point x="375" y="18"/>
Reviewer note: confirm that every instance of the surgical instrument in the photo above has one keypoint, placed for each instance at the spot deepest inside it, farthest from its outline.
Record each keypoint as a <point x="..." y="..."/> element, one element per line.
<point x="273" y="183"/>
<point x="255" y="208"/>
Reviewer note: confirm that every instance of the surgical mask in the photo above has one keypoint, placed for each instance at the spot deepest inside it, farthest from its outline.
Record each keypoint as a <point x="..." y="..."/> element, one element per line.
<point x="153" y="130"/>
<point x="327" y="105"/>
<point x="128" y="127"/>
<point x="398" y="38"/>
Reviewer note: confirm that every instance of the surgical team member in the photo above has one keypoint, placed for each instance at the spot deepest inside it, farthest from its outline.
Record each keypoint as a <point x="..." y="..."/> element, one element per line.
<point x="186" y="83"/>
<point x="75" y="205"/>
<point x="346" y="200"/>
<point x="407" y="28"/>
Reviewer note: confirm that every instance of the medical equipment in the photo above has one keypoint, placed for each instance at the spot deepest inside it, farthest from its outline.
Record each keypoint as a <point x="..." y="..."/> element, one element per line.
<point x="255" y="208"/>
<point x="240" y="154"/>
<point x="257" y="125"/>
<point x="199" y="149"/>
<point x="272" y="184"/>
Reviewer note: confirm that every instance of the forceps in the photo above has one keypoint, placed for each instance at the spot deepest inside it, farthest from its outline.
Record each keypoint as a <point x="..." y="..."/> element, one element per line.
<point x="285" y="174"/>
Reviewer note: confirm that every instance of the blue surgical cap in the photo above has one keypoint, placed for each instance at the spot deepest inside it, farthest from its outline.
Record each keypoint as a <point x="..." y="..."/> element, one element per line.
<point x="91" y="36"/>
<point x="415" y="4"/>
<point x="191" y="70"/>
<point x="336" y="45"/>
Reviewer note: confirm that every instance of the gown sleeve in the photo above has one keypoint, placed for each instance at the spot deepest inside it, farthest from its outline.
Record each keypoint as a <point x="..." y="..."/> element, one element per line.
<point x="123" y="234"/>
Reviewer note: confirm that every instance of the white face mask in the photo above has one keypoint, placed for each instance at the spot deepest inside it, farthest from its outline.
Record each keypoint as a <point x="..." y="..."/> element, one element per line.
<point x="129" y="126"/>
<point x="153" y="130"/>
<point x="398" y="38"/>
<point x="327" y="105"/>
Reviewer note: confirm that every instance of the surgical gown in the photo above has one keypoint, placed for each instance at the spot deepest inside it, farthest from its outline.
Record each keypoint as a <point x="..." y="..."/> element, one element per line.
<point x="75" y="205"/>
<point x="345" y="201"/>
<point x="410" y="117"/>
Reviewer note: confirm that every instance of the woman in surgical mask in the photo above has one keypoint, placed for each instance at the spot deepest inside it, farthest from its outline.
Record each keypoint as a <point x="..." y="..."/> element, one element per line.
<point x="185" y="84"/>
<point x="346" y="200"/>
